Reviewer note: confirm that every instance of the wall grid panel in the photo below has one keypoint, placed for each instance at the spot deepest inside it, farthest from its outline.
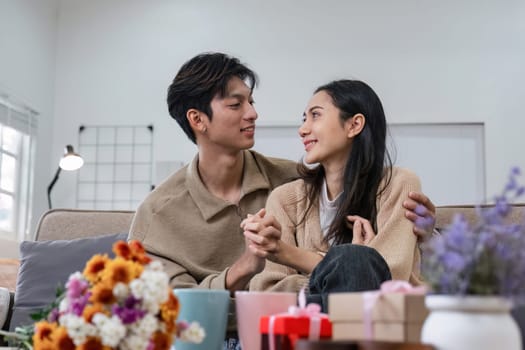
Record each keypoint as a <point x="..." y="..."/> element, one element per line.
<point x="118" y="164"/>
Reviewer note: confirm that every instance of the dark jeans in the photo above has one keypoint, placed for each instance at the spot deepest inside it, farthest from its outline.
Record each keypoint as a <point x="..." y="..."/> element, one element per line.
<point x="231" y="344"/>
<point x="347" y="268"/>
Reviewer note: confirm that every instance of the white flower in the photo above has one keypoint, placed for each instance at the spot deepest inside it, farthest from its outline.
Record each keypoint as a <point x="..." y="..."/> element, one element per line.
<point x="121" y="291"/>
<point x="63" y="306"/>
<point x="77" y="329"/>
<point x="152" y="288"/>
<point x="138" y="288"/>
<point x="193" y="334"/>
<point x="134" y="342"/>
<point x="146" y="326"/>
<point x="155" y="265"/>
<point x="111" y="330"/>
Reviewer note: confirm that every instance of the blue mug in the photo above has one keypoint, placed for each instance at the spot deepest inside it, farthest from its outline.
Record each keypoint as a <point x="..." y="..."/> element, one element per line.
<point x="209" y="307"/>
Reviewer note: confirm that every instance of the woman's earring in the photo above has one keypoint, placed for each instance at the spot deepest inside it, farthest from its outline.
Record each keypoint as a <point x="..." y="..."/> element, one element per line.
<point x="204" y="130"/>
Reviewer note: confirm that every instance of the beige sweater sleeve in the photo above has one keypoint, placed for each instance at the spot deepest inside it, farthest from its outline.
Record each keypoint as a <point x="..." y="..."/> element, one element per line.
<point x="395" y="239"/>
<point x="276" y="277"/>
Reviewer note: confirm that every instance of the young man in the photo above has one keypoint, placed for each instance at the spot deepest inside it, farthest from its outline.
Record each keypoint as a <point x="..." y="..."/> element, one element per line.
<point x="191" y="222"/>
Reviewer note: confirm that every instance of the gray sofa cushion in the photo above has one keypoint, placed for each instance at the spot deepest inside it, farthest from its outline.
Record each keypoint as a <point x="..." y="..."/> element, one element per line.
<point x="46" y="265"/>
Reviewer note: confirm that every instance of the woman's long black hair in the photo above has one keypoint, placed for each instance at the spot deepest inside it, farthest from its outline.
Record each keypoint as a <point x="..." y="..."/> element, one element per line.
<point x="367" y="164"/>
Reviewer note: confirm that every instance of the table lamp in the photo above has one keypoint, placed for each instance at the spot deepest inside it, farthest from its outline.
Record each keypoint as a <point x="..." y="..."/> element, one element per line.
<point x="70" y="161"/>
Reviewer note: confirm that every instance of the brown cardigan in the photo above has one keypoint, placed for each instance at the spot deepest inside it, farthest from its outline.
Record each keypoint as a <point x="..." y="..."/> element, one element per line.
<point x="394" y="241"/>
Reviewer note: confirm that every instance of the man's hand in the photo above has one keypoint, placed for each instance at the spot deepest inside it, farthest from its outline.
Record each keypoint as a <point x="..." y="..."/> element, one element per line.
<point x="264" y="235"/>
<point x="422" y="212"/>
<point x="248" y="264"/>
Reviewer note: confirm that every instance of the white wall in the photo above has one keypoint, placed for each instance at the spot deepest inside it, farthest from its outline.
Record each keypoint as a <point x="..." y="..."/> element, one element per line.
<point x="430" y="61"/>
<point x="27" y="73"/>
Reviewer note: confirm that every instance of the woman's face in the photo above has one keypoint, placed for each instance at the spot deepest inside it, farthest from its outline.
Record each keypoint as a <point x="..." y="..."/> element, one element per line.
<point x="325" y="137"/>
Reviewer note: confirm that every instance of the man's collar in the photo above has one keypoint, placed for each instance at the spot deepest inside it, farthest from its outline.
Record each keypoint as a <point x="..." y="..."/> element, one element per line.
<point x="253" y="179"/>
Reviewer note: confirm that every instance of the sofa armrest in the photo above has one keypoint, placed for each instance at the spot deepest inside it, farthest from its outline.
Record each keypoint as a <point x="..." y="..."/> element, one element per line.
<point x="6" y="308"/>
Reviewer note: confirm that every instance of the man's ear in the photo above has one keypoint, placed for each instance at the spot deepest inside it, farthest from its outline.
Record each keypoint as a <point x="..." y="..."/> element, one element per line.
<point x="196" y="120"/>
<point x="355" y="125"/>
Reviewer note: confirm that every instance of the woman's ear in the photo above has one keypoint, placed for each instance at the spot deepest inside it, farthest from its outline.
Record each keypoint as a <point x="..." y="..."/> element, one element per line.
<point x="355" y="125"/>
<point x="196" y="120"/>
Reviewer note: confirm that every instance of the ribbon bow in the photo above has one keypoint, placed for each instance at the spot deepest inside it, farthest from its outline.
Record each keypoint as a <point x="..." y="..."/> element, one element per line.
<point x="312" y="311"/>
<point x="370" y="299"/>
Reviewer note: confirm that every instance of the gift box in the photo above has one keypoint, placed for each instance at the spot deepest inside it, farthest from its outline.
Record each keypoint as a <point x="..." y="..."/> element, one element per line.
<point x="281" y="331"/>
<point x="381" y="316"/>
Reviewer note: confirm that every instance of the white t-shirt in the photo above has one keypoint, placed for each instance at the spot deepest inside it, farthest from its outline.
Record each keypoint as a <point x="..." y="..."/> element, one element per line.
<point x="327" y="208"/>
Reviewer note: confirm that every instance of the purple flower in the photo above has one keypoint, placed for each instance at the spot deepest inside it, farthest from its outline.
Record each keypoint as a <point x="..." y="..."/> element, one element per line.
<point x="76" y="287"/>
<point x="454" y="261"/>
<point x="53" y="315"/>
<point x="129" y="312"/>
<point x="77" y="305"/>
<point x="485" y="258"/>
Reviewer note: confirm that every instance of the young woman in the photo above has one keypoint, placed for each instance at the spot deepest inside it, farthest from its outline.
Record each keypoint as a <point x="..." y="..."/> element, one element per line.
<point x="341" y="226"/>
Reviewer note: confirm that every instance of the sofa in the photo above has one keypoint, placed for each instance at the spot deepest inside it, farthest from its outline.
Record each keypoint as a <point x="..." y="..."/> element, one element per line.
<point x="64" y="226"/>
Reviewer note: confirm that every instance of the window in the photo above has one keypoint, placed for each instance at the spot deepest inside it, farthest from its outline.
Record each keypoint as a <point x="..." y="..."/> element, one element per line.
<point x="18" y="126"/>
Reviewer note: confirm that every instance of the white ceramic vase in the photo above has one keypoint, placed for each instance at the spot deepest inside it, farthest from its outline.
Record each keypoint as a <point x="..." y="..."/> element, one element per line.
<point x="470" y="322"/>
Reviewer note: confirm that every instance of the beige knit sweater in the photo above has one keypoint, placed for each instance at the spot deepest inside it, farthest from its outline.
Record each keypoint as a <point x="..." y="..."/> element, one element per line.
<point x="395" y="240"/>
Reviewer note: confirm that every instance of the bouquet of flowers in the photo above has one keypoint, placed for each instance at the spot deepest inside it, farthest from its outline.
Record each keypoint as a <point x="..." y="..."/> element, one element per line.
<point x="121" y="303"/>
<point x="487" y="258"/>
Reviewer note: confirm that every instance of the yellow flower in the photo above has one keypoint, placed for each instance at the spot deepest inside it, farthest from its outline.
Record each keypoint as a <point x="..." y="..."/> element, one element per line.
<point x="62" y="340"/>
<point x="169" y="310"/>
<point x="91" y="309"/>
<point x="120" y="270"/>
<point x="102" y="293"/>
<point x="93" y="343"/>
<point x="43" y="337"/>
<point x="95" y="266"/>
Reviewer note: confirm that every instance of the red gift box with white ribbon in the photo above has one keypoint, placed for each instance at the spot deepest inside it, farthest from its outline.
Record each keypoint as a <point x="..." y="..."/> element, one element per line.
<point x="281" y="331"/>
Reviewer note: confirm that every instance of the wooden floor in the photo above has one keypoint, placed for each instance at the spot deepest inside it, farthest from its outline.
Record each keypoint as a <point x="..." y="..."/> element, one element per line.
<point x="8" y="272"/>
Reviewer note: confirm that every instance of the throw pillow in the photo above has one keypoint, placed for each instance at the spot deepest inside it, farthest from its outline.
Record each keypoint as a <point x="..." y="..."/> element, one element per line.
<point x="46" y="265"/>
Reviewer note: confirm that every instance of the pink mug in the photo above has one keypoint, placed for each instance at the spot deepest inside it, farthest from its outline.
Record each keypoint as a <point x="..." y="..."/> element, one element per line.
<point x="250" y="306"/>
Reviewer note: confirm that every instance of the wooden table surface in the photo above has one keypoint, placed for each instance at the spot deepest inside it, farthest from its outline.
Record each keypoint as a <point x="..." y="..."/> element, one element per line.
<point x="358" y="345"/>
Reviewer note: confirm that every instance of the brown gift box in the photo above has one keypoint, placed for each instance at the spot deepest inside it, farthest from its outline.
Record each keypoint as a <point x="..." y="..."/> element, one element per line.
<point x="395" y="316"/>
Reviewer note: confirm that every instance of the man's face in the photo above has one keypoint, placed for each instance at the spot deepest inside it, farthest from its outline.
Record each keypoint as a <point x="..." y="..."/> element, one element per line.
<point x="233" y="122"/>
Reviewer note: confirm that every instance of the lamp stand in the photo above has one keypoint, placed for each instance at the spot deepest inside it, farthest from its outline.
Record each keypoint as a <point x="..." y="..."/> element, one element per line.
<point x="51" y="184"/>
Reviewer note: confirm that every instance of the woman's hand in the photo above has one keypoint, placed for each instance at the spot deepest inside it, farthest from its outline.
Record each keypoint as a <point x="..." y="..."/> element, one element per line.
<point x="362" y="229"/>
<point x="263" y="233"/>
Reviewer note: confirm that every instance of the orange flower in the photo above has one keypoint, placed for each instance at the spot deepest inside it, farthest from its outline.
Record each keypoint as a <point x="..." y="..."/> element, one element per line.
<point x="132" y="250"/>
<point x="161" y="341"/>
<point x="93" y="343"/>
<point x="91" y="309"/>
<point x="122" y="249"/>
<point x="120" y="270"/>
<point x="102" y="293"/>
<point x="62" y="340"/>
<point x="138" y="253"/>
<point x="95" y="266"/>
<point x="43" y="337"/>
<point x="169" y="310"/>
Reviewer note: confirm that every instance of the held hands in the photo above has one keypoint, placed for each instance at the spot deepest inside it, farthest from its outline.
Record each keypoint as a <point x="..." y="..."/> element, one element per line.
<point x="249" y="257"/>
<point x="363" y="233"/>
<point x="263" y="235"/>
